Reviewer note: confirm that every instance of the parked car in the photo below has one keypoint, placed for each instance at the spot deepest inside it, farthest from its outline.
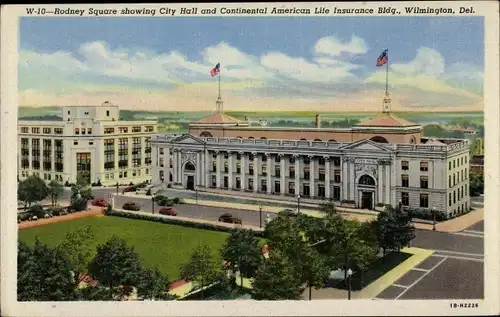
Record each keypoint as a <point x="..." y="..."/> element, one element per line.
<point x="131" y="206"/>
<point x="168" y="211"/>
<point x="288" y="212"/>
<point x="228" y="218"/>
<point x="99" y="202"/>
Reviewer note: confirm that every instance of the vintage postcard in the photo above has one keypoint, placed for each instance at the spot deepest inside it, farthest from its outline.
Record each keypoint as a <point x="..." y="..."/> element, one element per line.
<point x="250" y="159"/>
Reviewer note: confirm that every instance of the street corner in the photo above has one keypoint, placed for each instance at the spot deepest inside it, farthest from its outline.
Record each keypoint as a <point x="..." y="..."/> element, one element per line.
<point x="387" y="282"/>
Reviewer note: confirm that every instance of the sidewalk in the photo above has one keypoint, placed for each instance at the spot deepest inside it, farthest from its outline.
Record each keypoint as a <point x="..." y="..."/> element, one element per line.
<point x="455" y="224"/>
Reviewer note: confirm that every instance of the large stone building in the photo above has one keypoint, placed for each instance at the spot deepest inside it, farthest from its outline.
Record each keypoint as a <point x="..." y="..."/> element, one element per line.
<point x="90" y="141"/>
<point x="384" y="160"/>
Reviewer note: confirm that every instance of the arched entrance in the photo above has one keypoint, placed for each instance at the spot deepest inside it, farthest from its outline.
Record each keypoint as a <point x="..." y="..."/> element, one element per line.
<point x="366" y="189"/>
<point x="206" y="134"/>
<point x="189" y="174"/>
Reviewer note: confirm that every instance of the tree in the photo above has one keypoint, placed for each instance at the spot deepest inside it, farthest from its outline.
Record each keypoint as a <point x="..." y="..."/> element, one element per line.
<point x="153" y="285"/>
<point x="55" y="190"/>
<point x="394" y="229"/>
<point x="82" y="179"/>
<point x="242" y="251"/>
<point x="476" y="184"/>
<point x="277" y="279"/>
<point x="44" y="274"/>
<point x="328" y="208"/>
<point x="115" y="264"/>
<point x="314" y="270"/>
<point x="77" y="248"/>
<point x="32" y="189"/>
<point x="201" y="268"/>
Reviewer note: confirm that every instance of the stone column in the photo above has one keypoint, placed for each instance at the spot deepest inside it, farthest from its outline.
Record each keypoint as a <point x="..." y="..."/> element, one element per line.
<point x="312" y="175"/>
<point x="380" y="181"/>
<point x="175" y="168"/>
<point x="269" y="164"/>
<point x="53" y="156"/>
<point x="166" y="166"/>
<point x="208" y="169"/>
<point x="282" y="175"/>
<point x="255" y="172"/>
<point x="155" y="171"/>
<point x="219" y="169"/>
<point x="327" y="177"/>
<point x="297" y="174"/>
<point x="352" y="181"/>
<point x="243" y="171"/>
<point x="179" y="166"/>
<point x="391" y="180"/>
<point x="30" y="154"/>
<point x="345" y="179"/>
<point x="198" y="169"/>
<point x="230" y="163"/>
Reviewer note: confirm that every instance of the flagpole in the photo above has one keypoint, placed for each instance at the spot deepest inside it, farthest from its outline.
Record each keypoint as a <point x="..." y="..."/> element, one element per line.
<point x="219" y="82"/>
<point x="387" y="73"/>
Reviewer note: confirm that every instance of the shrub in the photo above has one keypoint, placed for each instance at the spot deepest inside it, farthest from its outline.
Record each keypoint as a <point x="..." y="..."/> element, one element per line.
<point x="99" y="183"/>
<point x="169" y="185"/>
<point x="131" y="184"/>
<point x="23" y="216"/>
<point x="67" y="184"/>
<point x="56" y="211"/>
<point x="427" y="214"/>
<point x="148" y="192"/>
<point x="176" y="200"/>
<point x="79" y="204"/>
<point x="37" y="210"/>
<point x="176" y="221"/>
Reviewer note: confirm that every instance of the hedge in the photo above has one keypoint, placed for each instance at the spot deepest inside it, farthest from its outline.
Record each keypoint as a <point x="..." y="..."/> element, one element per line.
<point x="427" y="214"/>
<point x="176" y="221"/>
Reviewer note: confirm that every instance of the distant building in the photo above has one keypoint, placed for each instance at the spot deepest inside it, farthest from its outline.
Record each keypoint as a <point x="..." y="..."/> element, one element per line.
<point x="465" y="131"/>
<point x="90" y="141"/>
<point x="477" y="164"/>
<point x="384" y="160"/>
<point x="478" y="148"/>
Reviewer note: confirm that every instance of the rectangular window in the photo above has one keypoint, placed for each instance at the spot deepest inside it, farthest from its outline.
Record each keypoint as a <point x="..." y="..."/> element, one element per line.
<point x="277" y="158"/>
<point x="405" y="165"/>
<point x="322" y="174"/>
<point x="149" y="128"/>
<point x="336" y="176"/>
<point x="454" y="164"/>
<point x="109" y="154"/>
<point x="307" y="176"/>
<point x="466" y="160"/>
<point x="24" y="129"/>
<point x="47" y="155"/>
<point x="83" y="131"/>
<point x="89" y="130"/>
<point x="238" y="168"/>
<point x="214" y="181"/>
<point x="214" y="166"/>
<point x="47" y="131"/>
<point x="291" y="160"/>
<point x="250" y="169"/>
<point x="424" y="201"/>
<point x="263" y="185"/>
<point x="123" y="153"/>
<point x="336" y="193"/>
<point x="307" y="160"/>
<point x="405" y="181"/>
<point x="321" y="161"/>
<point x="264" y="169"/>
<point x="424" y="182"/>
<point x="291" y="188"/>
<point x="405" y="198"/>
<point x="77" y="131"/>
<point x="123" y="129"/>
<point x="226" y="167"/>
<point x="449" y="165"/>
<point x="136" y="152"/>
<point x="336" y="161"/>
<point x="277" y="171"/>
<point x="291" y="172"/>
<point x="136" y="129"/>
<point x="58" y="152"/>
<point x="250" y="184"/>
<point x="35" y="130"/>
<point x="109" y="130"/>
<point x="449" y="199"/>
<point x="58" y="131"/>
<point x="107" y="113"/>
<point x="424" y="166"/>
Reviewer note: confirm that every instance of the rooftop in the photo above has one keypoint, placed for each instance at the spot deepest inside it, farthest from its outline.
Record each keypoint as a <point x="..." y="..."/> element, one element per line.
<point x="387" y="120"/>
<point x="218" y="118"/>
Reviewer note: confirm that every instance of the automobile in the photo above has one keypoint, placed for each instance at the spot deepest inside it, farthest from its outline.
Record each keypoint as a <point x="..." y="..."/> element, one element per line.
<point x="168" y="211"/>
<point x="228" y="218"/>
<point x="99" y="202"/>
<point x="131" y="206"/>
<point x="288" y="212"/>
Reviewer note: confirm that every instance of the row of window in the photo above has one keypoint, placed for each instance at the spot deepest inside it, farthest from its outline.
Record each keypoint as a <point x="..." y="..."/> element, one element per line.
<point x="457" y="162"/>
<point x="135" y="129"/>
<point x="424" y="200"/>
<point x="83" y="131"/>
<point x="126" y="174"/>
<point x="46" y="176"/>
<point x="405" y="181"/>
<point x="277" y="158"/>
<point x="458" y="177"/>
<point x="458" y="195"/>
<point x="424" y="166"/>
<point x="44" y="130"/>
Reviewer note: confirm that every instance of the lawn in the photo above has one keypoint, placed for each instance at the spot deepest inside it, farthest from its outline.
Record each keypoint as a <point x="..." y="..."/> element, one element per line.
<point x="163" y="245"/>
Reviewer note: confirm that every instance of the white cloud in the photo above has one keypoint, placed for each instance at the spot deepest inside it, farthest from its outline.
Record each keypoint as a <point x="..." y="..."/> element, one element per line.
<point x="332" y="46"/>
<point x="428" y="62"/>
<point x="328" y="74"/>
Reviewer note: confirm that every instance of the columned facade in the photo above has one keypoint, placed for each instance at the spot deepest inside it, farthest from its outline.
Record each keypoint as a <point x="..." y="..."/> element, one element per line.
<point x="362" y="174"/>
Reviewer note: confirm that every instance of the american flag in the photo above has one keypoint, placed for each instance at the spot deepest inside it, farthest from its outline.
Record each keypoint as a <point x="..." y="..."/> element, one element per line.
<point x="382" y="59"/>
<point x="215" y="70"/>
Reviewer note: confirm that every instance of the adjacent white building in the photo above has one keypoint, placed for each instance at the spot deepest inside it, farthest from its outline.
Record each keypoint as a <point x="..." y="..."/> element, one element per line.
<point x="90" y="141"/>
<point x="431" y="174"/>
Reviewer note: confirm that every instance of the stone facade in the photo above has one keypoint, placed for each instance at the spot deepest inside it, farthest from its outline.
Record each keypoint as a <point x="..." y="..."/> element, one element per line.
<point x="363" y="173"/>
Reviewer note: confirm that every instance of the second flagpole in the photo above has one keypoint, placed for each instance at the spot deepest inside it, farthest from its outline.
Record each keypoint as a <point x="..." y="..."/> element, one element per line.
<point x="387" y="73"/>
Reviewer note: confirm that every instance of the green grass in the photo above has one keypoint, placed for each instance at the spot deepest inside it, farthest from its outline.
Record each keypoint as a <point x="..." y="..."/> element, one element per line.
<point x="162" y="245"/>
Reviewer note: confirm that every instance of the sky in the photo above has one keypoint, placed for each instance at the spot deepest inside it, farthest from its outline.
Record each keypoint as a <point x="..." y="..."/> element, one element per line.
<point x="267" y="63"/>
